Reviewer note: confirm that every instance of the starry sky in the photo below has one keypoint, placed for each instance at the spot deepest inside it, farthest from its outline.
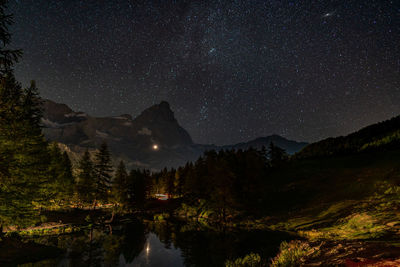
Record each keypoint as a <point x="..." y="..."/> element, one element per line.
<point x="232" y="70"/>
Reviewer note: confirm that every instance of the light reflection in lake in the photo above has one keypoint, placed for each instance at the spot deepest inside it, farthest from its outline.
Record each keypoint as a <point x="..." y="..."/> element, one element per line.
<point x="158" y="244"/>
<point x="155" y="254"/>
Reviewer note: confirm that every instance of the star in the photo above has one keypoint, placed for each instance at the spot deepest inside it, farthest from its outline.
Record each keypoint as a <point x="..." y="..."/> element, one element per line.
<point x="329" y="14"/>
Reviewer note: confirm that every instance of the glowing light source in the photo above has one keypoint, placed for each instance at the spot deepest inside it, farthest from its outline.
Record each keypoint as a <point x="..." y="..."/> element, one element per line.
<point x="155" y="147"/>
<point x="148" y="248"/>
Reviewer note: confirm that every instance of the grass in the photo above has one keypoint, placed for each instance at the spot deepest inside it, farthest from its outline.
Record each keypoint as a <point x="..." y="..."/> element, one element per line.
<point x="376" y="217"/>
<point x="43" y="231"/>
<point x="251" y="260"/>
<point x="315" y="216"/>
<point x="357" y="226"/>
<point x="293" y="253"/>
<point x="196" y="211"/>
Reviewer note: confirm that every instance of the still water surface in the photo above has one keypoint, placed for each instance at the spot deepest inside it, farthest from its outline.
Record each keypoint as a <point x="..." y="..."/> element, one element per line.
<point x="158" y="244"/>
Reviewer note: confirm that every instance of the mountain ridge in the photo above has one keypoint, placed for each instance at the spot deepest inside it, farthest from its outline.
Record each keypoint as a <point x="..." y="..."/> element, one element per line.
<point x="133" y="139"/>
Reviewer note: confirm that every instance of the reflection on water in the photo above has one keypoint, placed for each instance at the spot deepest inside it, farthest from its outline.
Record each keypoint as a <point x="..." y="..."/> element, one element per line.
<point x="155" y="254"/>
<point x="159" y="244"/>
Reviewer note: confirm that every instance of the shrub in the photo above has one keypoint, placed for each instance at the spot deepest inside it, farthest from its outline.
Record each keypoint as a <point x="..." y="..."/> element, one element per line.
<point x="292" y="253"/>
<point x="161" y="216"/>
<point x="251" y="260"/>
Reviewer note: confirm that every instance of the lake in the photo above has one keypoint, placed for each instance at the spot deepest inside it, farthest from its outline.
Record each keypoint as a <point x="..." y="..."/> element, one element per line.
<point x="147" y="243"/>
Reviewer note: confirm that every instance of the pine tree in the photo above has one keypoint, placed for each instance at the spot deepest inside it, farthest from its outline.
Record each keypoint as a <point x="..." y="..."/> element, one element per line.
<point x="22" y="147"/>
<point x="120" y="187"/>
<point x="137" y="179"/>
<point x="67" y="168"/>
<point x="276" y="155"/>
<point x="60" y="186"/>
<point x="85" y="186"/>
<point x="54" y="186"/>
<point x="10" y="91"/>
<point x="68" y="179"/>
<point x="26" y="175"/>
<point x="7" y="56"/>
<point x="23" y="150"/>
<point x="103" y="173"/>
<point x="170" y="183"/>
<point x="179" y="181"/>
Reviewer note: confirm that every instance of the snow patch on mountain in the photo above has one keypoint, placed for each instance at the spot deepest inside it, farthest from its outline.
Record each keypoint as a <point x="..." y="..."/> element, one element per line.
<point x="69" y="115"/>
<point x="145" y="131"/>
<point x="101" y="134"/>
<point x="50" y="124"/>
<point x="120" y="118"/>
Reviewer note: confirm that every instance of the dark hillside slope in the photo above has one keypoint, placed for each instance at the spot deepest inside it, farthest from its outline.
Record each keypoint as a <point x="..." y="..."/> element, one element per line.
<point x="316" y="193"/>
<point x="385" y="135"/>
<point x="312" y="181"/>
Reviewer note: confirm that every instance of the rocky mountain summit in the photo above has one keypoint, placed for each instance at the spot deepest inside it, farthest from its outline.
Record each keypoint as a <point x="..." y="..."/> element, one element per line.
<point x="153" y="140"/>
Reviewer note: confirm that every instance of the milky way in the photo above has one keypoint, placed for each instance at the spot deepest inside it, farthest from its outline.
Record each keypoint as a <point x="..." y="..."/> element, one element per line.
<point x="231" y="70"/>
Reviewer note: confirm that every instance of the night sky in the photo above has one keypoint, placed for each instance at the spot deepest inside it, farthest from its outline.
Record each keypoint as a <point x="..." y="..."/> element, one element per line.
<point x="231" y="70"/>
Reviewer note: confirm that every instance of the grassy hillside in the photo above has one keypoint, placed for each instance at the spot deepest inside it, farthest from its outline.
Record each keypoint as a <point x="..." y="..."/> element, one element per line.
<point x="329" y="188"/>
<point x="347" y="209"/>
<point x="378" y="136"/>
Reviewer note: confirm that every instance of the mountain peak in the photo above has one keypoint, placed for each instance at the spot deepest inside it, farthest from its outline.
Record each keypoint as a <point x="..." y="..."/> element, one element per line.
<point x="159" y="113"/>
<point x="53" y="108"/>
<point x="160" y="119"/>
<point x="60" y="113"/>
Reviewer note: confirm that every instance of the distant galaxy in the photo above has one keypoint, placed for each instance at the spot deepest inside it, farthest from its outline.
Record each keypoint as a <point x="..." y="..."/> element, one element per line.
<point x="231" y="70"/>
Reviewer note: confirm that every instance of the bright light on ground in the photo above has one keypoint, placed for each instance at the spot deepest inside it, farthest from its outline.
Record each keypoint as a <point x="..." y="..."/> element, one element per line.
<point x="155" y="147"/>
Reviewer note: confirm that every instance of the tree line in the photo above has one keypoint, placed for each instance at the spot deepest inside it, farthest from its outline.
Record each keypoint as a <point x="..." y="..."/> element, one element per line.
<point x="98" y="182"/>
<point x="224" y="183"/>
